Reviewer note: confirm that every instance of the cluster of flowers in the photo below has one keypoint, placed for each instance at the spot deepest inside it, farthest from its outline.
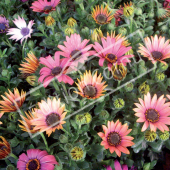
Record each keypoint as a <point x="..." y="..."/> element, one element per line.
<point x="115" y="50"/>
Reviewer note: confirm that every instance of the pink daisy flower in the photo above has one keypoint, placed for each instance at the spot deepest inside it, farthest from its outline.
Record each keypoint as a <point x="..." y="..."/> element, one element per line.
<point x="153" y="112"/>
<point x="56" y="68"/>
<point x="23" y="31"/>
<point x="4" y="24"/>
<point x="166" y="4"/>
<point x="115" y="137"/>
<point x="75" y="50"/>
<point x="157" y="49"/>
<point x="36" y="160"/>
<point x="1" y="114"/>
<point x="112" y="51"/>
<point x="44" y="6"/>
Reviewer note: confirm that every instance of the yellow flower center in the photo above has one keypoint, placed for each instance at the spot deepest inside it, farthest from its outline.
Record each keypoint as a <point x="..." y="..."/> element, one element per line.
<point x="113" y="138"/>
<point x="33" y="164"/>
<point x="90" y="91"/>
<point x="53" y="119"/>
<point x="157" y="55"/>
<point x="152" y="115"/>
<point x="111" y="58"/>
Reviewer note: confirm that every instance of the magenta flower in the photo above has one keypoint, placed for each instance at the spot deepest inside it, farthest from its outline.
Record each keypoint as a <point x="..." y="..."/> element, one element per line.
<point x="23" y="0"/>
<point x="3" y="24"/>
<point x="117" y="166"/>
<point x="23" y="31"/>
<point x="112" y="51"/>
<point x="44" y="6"/>
<point x="36" y="160"/>
<point x="56" y="68"/>
<point x="75" y="51"/>
<point x="166" y="4"/>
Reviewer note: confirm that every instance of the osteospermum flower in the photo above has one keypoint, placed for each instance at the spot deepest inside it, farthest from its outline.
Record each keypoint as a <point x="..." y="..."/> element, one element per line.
<point x="31" y="65"/>
<point x="23" y="31"/>
<point x="12" y="101"/>
<point x="153" y="112"/>
<point x="75" y="50"/>
<point x="102" y="15"/>
<point x="49" y="116"/>
<point x="1" y="114"/>
<point x="36" y="159"/>
<point x="5" y="149"/>
<point x="44" y="6"/>
<point x="56" y="68"/>
<point x="90" y="86"/>
<point x="26" y="121"/>
<point x="166" y="4"/>
<point x="157" y="49"/>
<point x="4" y="24"/>
<point x="112" y="51"/>
<point x="115" y="139"/>
<point x="128" y="9"/>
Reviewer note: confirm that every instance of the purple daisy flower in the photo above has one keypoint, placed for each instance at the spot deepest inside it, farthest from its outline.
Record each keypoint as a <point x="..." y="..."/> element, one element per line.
<point x="4" y="24"/>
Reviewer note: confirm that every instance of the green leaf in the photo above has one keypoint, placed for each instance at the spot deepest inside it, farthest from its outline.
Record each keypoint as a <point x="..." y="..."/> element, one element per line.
<point x="83" y="165"/>
<point x="146" y="166"/>
<point x="14" y="142"/>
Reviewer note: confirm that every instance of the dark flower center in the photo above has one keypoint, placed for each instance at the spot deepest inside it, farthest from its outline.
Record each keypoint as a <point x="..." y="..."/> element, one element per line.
<point x="47" y="8"/>
<point x="33" y="164"/>
<point x="3" y="147"/>
<point x="90" y="91"/>
<point x="111" y="58"/>
<point x="75" y="54"/>
<point x="55" y="71"/>
<point x="113" y="139"/>
<point x="157" y="55"/>
<point x="152" y="115"/>
<point x="101" y="18"/>
<point x="52" y="119"/>
<point x="25" y="31"/>
<point x="2" y="26"/>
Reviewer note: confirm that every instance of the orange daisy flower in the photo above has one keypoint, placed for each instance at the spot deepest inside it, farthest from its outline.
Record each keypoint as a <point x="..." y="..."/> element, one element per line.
<point x="102" y="15"/>
<point x="26" y="122"/>
<point x="31" y="65"/>
<point x="115" y="139"/>
<point x="5" y="149"/>
<point x="49" y="116"/>
<point x="12" y="101"/>
<point x="90" y="86"/>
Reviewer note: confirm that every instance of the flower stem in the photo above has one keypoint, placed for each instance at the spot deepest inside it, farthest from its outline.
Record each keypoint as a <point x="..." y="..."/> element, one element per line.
<point x="64" y="87"/>
<point x="23" y="48"/>
<point x="55" y="86"/>
<point x="131" y="25"/>
<point x="45" y="142"/>
<point x="66" y="132"/>
<point x="14" y="156"/>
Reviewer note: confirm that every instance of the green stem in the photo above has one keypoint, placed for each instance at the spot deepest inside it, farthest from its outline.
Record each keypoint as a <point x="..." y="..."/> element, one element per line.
<point x="45" y="142"/>
<point x="23" y="48"/>
<point x="65" y="89"/>
<point x="14" y="156"/>
<point x="81" y="6"/>
<point x="118" y="83"/>
<point x="56" y="86"/>
<point x="22" y="112"/>
<point x="131" y="24"/>
<point x="66" y="132"/>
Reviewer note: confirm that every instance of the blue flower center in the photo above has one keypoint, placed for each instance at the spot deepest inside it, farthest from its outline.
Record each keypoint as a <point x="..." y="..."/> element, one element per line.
<point x="2" y="26"/>
<point x="25" y="31"/>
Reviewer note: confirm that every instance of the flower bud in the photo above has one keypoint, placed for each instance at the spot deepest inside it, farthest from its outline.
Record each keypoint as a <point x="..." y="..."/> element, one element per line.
<point x="104" y="114"/>
<point x="77" y="153"/>
<point x="144" y="88"/>
<point x="150" y="136"/>
<point x="71" y="22"/>
<point x="162" y="67"/>
<point x="163" y="135"/>
<point x="122" y="30"/>
<point x="88" y="118"/>
<point x="160" y="77"/>
<point x="80" y="119"/>
<point x="128" y="87"/>
<point x="138" y="11"/>
<point x="63" y="138"/>
<point x="49" y="21"/>
<point x="119" y="103"/>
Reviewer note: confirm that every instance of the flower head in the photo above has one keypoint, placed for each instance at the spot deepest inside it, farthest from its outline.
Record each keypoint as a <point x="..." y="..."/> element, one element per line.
<point x="12" y="101"/>
<point x="71" y="22"/>
<point x="88" y="118"/>
<point x="129" y="87"/>
<point x="90" y="86"/>
<point x="115" y="139"/>
<point x="68" y="31"/>
<point x="128" y="9"/>
<point x="4" y="24"/>
<point x="23" y="31"/>
<point x="113" y="51"/>
<point x="31" y="80"/>
<point x="49" y="21"/>
<point x="75" y="50"/>
<point x="157" y="49"/>
<point x="119" y="72"/>
<point x="31" y="65"/>
<point x="77" y="153"/>
<point x="49" y="116"/>
<point x="5" y="149"/>
<point x="163" y="135"/>
<point x="26" y="122"/>
<point x="44" y="6"/>
<point x="102" y="15"/>
<point x="150" y="136"/>
<point x="144" y="88"/>
<point x="153" y="112"/>
<point x="56" y="68"/>
<point x="36" y="159"/>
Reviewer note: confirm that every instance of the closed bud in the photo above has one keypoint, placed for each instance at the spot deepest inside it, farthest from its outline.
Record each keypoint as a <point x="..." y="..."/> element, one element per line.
<point x="13" y="117"/>
<point x="80" y="119"/>
<point x="68" y="31"/>
<point x="151" y="14"/>
<point x="163" y="135"/>
<point x="71" y="22"/>
<point x="49" y="21"/>
<point x="68" y="147"/>
<point x="150" y="136"/>
<point x="142" y="69"/>
<point x="144" y="88"/>
<point x="128" y="87"/>
<point x="32" y="80"/>
<point x="164" y="28"/>
<point x="63" y="138"/>
<point x="138" y="11"/>
<point x="128" y="10"/>
<point x="160" y="77"/>
<point x="88" y="118"/>
<point x="119" y="103"/>
<point x="111" y="26"/>
<point x="104" y="114"/>
<point x="122" y="31"/>
<point x="162" y="67"/>
<point x="85" y="31"/>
